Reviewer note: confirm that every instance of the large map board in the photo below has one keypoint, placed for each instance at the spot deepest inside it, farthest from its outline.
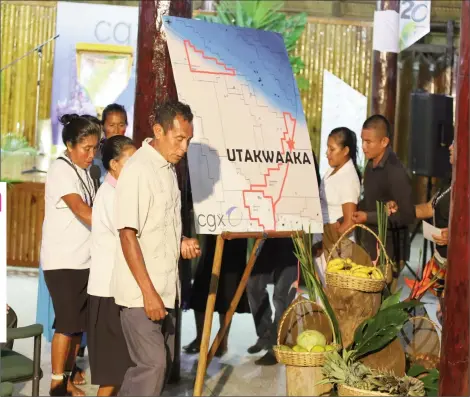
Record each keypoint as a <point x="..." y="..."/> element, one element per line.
<point x="251" y="161"/>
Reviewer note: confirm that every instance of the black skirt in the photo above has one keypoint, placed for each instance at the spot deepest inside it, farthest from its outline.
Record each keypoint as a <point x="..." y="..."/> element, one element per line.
<point x="107" y="348"/>
<point x="233" y="265"/>
<point x="68" y="290"/>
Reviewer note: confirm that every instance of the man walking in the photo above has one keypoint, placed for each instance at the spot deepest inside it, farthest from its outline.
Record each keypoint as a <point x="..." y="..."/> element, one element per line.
<point x="145" y="278"/>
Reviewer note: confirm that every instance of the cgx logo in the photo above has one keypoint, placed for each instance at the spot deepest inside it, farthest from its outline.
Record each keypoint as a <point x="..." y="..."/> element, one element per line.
<point x="232" y="217"/>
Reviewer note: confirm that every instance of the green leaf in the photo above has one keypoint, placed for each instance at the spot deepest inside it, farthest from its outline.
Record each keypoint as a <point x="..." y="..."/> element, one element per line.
<point x="302" y="83"/>
<point x="416" y="370"/>
<point x="225" y="14"/>
<point x="378" y="331"/>
<point x="303" y="252"/>
<point x="240" y="15"/>
<point x="391" y="300"/>
<point x="266" y="9"/>
<point x="430" y="380"/>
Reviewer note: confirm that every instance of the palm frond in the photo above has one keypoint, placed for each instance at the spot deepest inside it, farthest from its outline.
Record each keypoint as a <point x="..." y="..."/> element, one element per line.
<point x="303" y="252"/>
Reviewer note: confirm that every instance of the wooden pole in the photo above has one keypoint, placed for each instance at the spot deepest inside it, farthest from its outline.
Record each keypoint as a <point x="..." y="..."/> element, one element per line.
<point x="454" y="369"/>
<point x="206" y="333"/>
<point x="384" y="75"/>
<point x="155" y="84"/>
<point x="204" y="356"/>
<point x="236" y="299"/>
<point x="154" y="75"/>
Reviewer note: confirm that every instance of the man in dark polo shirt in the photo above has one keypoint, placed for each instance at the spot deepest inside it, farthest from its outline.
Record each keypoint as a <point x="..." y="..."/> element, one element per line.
<point x="385" y="179"/>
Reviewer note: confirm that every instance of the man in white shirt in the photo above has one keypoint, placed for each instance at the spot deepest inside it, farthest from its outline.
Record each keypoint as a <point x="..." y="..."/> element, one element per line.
<point x="145" y="277"/>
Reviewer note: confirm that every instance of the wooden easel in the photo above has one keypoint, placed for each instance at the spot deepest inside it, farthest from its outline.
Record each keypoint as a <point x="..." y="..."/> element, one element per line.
<point x="206" y="355"/>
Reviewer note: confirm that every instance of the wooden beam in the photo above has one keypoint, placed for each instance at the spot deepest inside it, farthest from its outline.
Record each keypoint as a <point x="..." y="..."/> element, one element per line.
<point x="455" y="337"/>
<point x="155" y="82"/>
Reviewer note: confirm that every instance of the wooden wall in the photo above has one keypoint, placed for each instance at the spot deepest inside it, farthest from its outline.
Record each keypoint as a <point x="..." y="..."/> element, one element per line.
<point x="25" y="214"/>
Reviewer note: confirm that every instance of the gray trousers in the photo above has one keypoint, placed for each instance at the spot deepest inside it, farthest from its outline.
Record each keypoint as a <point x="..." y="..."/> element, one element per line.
<point x="258" y="296"/>
<point x="151" y="348"/>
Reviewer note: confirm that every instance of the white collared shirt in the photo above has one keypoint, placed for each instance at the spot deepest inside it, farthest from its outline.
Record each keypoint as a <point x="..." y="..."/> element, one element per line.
<point x="66" y="241"/>
<point x="337" y="189"/>
<point x="103" y="238"/>
<point x="148" y="200"/>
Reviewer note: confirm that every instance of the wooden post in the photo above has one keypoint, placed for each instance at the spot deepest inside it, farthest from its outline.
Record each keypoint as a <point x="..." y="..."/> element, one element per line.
<point x="154" y="75"/>
<point x="236" y="299"/>
<point x="454" y="352"/>
<point x="155" y="84"/>
<point x="384" y="75"/>
<point x="204" y="357"/>
<point x="206" y="333"/>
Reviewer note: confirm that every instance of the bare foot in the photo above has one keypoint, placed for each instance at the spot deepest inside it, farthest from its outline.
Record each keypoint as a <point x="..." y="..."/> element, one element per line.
<point x="73" y="390"/>
<point x="79" y="377"/>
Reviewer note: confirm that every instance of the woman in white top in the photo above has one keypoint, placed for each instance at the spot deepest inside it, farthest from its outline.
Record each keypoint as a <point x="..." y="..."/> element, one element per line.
<point x="340" y="188"/>
<point x="109" y="357"/>
<point x="66" y="244"/>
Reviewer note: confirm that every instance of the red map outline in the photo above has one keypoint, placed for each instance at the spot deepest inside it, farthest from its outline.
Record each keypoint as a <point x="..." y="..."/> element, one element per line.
<point x="255" y="188"/>
<point x="188" y="45"/>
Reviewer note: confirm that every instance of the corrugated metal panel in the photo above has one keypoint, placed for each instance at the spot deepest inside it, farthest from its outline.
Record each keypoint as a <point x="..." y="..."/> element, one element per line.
<point x="342" y="47"/>
<point x="24" y="26"/>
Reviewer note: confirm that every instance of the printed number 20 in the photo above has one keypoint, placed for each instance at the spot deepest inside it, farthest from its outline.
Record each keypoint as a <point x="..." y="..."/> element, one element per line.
<point x="410" y="10"/>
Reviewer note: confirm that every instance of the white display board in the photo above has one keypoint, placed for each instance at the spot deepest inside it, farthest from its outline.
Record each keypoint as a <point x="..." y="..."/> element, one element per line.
<point x="343" y="106"/>
<point x="251" y="162"/>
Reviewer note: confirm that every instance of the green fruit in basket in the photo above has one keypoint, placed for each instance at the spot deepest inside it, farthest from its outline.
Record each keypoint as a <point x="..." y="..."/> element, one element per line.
<point x="285" y="348"/>
<point x="310" y="338"/>
<point x="317" y="349"/>
<point x="329" y="348"/>
<point x="299" y="349"/>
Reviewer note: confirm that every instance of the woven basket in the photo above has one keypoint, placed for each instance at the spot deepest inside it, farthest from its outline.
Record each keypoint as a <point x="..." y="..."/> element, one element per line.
<point x="298" y="359"/>
<point x="416" y="351"/>
<point x="357" y="283"/>
<point x="344" y="390"/>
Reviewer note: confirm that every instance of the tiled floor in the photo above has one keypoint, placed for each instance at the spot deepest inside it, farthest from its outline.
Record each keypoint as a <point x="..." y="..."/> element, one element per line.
<point x="234" y="374"/>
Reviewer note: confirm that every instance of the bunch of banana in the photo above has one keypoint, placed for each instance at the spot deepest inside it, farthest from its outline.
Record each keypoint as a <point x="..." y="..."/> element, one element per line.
<point x="348" y="267"/>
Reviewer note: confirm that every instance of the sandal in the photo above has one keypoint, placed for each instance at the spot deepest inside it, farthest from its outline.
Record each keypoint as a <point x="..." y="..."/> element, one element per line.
<point x="61" y="388"/>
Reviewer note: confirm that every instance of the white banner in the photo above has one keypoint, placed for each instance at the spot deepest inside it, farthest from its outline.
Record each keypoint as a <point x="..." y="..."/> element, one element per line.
<point x="415" y="21"/>
<point x="395" y="32"/>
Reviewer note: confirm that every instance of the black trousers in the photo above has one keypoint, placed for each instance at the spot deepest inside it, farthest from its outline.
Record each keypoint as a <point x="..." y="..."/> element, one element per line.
<point x="284" y="294"/>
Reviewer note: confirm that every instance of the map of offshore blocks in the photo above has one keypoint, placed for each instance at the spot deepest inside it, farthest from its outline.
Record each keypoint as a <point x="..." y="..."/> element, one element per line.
<point x="250" y="161"/>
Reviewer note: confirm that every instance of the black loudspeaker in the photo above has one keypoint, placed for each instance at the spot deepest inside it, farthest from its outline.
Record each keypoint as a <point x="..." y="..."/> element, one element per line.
<point x="432" y="132"/>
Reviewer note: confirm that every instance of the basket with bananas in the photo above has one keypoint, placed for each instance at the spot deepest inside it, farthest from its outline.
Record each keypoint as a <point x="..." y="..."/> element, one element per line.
<point x="348" y="267"/>
<point x="345" y="273"/>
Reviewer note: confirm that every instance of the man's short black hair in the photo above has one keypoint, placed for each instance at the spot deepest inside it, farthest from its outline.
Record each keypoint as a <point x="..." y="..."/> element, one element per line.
<point x="380" y="124"/>
<point x="165" y="113"/>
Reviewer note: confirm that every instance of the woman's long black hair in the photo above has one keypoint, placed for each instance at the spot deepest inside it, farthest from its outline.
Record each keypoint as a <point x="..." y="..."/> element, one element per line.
<point x="347" y="138"/>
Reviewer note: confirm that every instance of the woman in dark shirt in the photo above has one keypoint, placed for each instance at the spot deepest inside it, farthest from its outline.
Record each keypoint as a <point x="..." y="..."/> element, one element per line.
<point x="439" y="210"/>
